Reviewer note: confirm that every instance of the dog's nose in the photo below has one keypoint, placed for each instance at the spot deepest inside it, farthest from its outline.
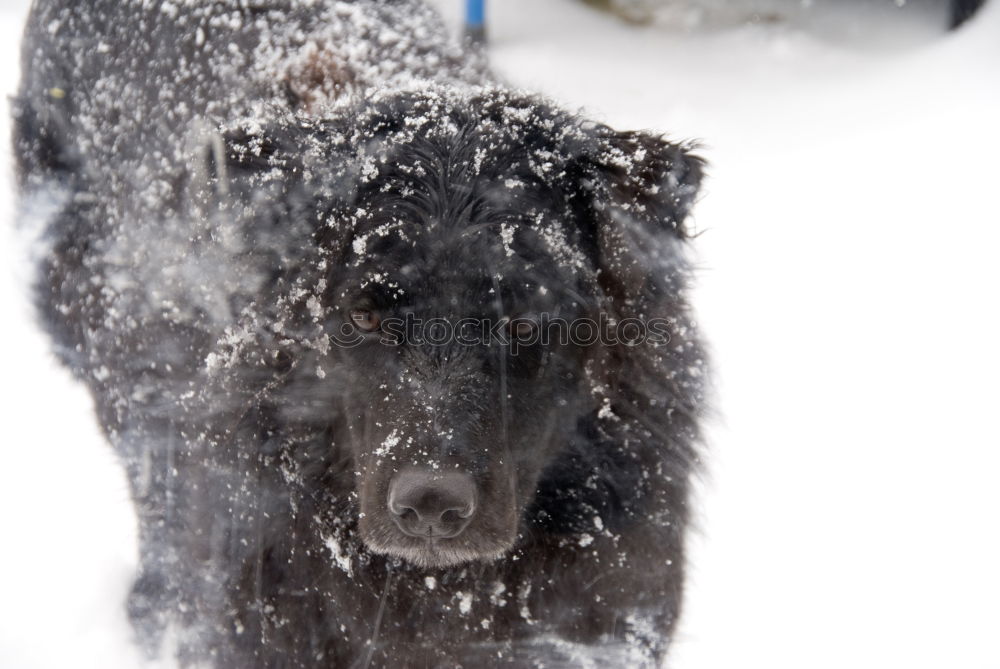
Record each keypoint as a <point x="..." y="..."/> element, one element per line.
<point x="432" y="504"/>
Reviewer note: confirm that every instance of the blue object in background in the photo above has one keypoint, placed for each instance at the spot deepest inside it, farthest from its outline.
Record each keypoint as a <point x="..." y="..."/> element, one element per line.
<point x="475" y="21"/>
<point x="475" y="13"/>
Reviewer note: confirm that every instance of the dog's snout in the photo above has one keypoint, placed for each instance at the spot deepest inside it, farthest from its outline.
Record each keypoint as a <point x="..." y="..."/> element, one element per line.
<point x="432" y="504"/>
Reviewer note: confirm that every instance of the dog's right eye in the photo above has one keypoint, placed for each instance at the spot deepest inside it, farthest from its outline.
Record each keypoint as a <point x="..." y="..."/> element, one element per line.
<point x="364" y="320"/>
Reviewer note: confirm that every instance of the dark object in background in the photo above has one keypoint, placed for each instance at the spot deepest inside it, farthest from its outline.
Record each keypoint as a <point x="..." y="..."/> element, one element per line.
<point x="228" y="197"/>
<point x="962" y="10"/>
<point x="876" y="23"/>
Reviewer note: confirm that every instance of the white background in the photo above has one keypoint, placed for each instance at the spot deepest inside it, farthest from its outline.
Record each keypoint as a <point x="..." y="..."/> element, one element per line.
<point x="848" y="272"/>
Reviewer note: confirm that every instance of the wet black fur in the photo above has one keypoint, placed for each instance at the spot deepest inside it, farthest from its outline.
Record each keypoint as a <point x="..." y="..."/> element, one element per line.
<point x="249" y="445"/>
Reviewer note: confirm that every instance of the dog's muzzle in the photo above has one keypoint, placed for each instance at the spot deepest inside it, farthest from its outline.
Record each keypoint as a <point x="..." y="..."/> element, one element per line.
<point x="432" y="504"/>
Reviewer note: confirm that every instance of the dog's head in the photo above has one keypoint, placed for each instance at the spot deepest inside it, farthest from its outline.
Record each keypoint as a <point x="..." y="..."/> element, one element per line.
<point x="473" y="260"/>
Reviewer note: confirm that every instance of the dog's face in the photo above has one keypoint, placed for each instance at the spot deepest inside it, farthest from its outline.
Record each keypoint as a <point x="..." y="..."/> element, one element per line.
<point x="465" y="241"/>
<point x="457" y="404"/>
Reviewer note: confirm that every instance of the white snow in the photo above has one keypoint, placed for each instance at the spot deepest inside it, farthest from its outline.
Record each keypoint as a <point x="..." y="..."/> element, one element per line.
<point x="464" y="602"/>
<point x="340" y="557"/>
<point x="389" y="443"/>
<point x="848" y="271"/>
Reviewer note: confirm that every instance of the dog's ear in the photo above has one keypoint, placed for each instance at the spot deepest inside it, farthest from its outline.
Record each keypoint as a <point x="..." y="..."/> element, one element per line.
<point x="642" y="189"/>
<point x="649" y="179"/>
<point x="638" y="193"/>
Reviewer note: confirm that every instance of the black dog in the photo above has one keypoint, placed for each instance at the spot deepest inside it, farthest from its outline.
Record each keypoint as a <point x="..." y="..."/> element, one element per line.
<point x="262" y="217"/>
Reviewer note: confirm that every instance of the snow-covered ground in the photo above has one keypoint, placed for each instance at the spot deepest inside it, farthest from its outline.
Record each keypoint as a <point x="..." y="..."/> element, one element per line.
<point x="851" y="229"/>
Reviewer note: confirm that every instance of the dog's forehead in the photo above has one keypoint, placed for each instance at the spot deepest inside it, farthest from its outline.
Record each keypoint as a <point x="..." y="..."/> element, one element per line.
<point x="444" y="113"/>
<point x="509" y="145"/>
<point x="479" y="264"/>
<point x="466" y="197"/>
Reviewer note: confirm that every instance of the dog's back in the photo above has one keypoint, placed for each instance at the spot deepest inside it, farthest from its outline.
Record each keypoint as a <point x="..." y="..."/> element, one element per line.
<point x="116" y="98"/>
<point x="107" y="83"/>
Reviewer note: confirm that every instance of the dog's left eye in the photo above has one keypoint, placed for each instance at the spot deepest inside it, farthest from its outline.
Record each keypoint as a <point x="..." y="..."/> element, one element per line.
<point x="364" y="320"/>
